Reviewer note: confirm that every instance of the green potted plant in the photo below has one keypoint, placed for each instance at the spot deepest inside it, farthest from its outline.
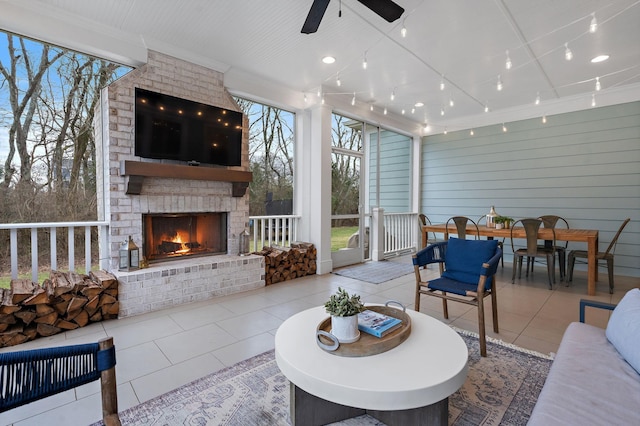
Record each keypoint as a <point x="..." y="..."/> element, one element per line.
<point x="344" y="310"/>
<point x="502" y="222"/>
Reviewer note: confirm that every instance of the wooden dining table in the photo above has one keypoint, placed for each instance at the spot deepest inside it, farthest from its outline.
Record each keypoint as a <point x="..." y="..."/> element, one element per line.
<point x="588" y="236"/>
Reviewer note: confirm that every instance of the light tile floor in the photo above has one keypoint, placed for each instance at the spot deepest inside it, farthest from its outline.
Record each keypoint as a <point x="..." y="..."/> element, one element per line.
<point x="163" y="350"/>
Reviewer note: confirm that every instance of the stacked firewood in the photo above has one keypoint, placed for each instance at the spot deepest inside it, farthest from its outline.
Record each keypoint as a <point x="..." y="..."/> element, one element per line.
<point x="65" y="301"/>
<point x="287" y="263"/>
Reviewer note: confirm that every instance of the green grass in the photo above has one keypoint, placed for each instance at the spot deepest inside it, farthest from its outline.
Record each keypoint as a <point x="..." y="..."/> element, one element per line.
<point x="340" y="236"/>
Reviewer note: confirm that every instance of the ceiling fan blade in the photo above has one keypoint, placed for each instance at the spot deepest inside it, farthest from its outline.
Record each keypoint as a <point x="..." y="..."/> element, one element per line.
<point x="387" y="9"/>
<point x="314" y="17"/>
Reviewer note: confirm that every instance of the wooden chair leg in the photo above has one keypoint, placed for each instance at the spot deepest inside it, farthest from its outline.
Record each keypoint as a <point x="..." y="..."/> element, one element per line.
<point x="417" y="301"/>
<point x="482" y="334"/>
<point x="109" y="390"/>
<point x="445" y="309"/>
<point x="494" y="306"/>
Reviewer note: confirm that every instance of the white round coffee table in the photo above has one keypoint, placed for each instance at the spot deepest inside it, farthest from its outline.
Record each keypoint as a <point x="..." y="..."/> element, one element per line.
<point x="409" y="384"/>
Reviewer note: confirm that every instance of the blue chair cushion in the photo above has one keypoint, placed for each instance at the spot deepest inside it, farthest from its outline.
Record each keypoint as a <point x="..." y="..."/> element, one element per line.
<point x="452" y="286"/>
<point x="464" y="259"/>
<point x="623" y="328"/>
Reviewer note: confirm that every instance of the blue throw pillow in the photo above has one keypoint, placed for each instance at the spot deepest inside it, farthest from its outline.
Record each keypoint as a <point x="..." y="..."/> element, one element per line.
<point x="623" y="329"/>
<point x="464" y="258"/>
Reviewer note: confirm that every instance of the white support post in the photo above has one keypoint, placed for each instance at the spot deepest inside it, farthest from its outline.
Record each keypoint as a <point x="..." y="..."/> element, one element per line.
<point x="377" y="234"/>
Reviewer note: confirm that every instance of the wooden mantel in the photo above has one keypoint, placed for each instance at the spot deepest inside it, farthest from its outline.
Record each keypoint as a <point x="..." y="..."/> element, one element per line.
<point x="137" y="171"/>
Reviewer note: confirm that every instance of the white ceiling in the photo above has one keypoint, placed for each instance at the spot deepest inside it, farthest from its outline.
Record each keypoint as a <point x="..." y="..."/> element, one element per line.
<point x="462" y="42"/>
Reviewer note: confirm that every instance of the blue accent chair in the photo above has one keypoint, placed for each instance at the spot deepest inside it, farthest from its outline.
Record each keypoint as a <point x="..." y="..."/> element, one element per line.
<point x="467" y="275"/>
<point x="27" y="376"/>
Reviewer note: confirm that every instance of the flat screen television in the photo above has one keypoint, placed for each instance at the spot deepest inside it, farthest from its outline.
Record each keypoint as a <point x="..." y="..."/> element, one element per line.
<point x="171" y="128"/>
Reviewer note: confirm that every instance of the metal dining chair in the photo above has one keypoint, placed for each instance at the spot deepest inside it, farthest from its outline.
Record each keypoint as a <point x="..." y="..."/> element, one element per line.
<point x="500" y="243"/>
<point x="532" y="249"/>
<point x="461" y="223"/>
<point x="552" y="221"/>
<point x="607" y="255"/>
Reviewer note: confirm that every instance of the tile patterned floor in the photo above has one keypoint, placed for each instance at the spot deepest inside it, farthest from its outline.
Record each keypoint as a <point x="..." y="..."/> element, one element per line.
<point x="162" y="350"/>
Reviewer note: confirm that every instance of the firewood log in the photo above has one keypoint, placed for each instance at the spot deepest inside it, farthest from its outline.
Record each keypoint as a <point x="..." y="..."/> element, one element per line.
<point x="22" y="289"/>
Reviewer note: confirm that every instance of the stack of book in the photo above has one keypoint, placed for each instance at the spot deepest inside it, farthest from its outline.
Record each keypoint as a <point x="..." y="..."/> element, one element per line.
<point x="377" y="324"/>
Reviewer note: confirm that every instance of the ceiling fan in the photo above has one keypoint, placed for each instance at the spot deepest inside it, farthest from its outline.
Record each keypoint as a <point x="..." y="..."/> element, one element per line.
<point x="387" y="9"/>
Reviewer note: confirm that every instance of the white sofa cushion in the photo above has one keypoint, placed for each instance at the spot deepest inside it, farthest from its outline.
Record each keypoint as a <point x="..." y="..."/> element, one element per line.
<point x="589" y="383"/>
<point x="623" y="329"/>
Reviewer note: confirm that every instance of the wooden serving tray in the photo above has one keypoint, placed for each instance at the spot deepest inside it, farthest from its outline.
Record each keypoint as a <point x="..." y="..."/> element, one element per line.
<point x="369" y="344"/>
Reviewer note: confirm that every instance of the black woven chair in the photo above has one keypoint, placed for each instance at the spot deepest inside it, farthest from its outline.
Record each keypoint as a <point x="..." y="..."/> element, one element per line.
<point x="27" y="376"/>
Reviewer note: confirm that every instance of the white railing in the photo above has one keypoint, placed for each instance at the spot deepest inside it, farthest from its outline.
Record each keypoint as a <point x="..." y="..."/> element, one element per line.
<point x="400" y="235"/>
<point x="53" y="228"/>
<point x="273" y="230"/>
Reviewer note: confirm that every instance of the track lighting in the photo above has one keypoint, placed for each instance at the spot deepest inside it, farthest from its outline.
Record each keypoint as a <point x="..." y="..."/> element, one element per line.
<point x="442" y="83"/>
<point x="538" y="99"/>
<point x="371" y="107"/>
<point x="499" y="84"/>
<point x="593" y="27"/>
<point x="305" y="98"/>
<point x="445" y="130"/>
<point x="504" y="128"/>
<point x="593" y="100"/>
<point x="322" y="100"/>
<point x="413" y="110"/>
<point x="441" y="110"/>
<point x="353" y="100"/>
<point x="338" y="82"/>
<point x="598" y="86"/>
<point x="319" y="92"/>
<point x="568" y="54"/>
<point x="403" y="31"/>
<point x="486" y="107"/>
<point x="364" y="61"/>
<point x="544" y="119"/>
<point x="402" y="111"/>
<point x="508" y="63"/>
<point x="451" y="101"/>
<point x="385" y="111"/>
<point x="471" y="132"/>
<point x="393" y="94"/>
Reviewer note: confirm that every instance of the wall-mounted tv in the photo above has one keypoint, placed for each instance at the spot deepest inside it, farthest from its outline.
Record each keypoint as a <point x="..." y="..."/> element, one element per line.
<point x="171" y="128"/>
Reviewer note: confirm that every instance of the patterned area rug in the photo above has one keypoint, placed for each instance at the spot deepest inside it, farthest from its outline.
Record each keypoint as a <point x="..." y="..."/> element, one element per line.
<point x="376" y="272"/>
<point x="501" y="389"/>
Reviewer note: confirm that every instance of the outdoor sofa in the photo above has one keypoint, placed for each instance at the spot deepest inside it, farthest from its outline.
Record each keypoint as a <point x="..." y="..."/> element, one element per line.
<point x="594" y="378"/>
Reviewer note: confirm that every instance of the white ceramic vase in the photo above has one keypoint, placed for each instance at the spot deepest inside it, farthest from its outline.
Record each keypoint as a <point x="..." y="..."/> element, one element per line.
<point x="345" y="328"/>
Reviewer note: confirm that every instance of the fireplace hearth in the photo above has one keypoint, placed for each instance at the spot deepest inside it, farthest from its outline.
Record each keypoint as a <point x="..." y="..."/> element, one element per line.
<point x="168" y="236"/>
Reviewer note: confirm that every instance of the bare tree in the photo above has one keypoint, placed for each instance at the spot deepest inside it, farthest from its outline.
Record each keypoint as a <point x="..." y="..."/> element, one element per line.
<point x="23" y="101"/>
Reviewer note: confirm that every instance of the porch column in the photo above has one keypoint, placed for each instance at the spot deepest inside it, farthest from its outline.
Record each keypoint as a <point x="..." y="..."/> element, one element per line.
<point x="377" y="234"/>
<point x="314" y="186"/>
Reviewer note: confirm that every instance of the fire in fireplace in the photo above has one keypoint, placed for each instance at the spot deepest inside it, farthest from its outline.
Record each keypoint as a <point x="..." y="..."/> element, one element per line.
<point x="169" y="236"/>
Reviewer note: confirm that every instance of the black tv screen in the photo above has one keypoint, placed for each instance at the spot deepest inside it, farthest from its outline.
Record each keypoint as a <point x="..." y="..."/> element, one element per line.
<point x="177" y="129"/>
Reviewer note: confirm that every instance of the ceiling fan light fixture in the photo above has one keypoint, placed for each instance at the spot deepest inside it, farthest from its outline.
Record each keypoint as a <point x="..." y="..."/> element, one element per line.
<point x="599" y="58"/>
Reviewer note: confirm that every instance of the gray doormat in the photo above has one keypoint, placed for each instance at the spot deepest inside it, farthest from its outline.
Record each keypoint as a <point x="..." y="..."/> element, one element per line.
<point x="376" y="272"/>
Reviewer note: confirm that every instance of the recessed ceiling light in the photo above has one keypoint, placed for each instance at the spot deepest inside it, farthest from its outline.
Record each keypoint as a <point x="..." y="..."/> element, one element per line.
<point x="419" y="104"/>
<point x="328" y="59"/>
<point x="599" y="58"/>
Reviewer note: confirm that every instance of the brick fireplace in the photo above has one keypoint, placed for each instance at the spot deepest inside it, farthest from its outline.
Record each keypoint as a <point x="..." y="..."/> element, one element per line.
<point x="208" y="206"/>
